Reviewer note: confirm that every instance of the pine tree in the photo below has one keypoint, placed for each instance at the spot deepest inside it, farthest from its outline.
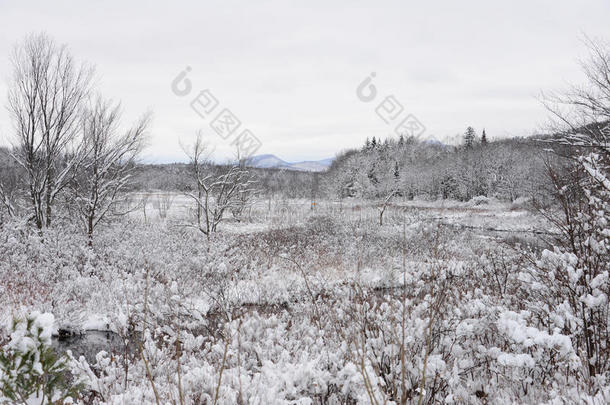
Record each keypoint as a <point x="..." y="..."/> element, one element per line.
<point x="469" y="137"/>
<point x="448" y="186"/>
<point x="483" y="137"/>
<point x="373" y="143"/>
<point x="367" y="144"/>
<point x="401" y="140"/>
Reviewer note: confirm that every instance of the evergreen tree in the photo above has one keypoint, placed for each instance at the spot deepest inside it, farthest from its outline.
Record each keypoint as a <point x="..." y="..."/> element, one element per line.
<point x="401" y="140"/>
<point x="483" y="138"/>
<point x="367" y="144"/>
<point x="373" y="143"/>
<point x="469" y="137"/>
<point x="448" y="186"/>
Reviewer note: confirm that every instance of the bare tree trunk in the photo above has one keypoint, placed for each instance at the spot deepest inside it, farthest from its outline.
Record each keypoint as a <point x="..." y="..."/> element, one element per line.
<point x="385" y="205"/>
<point x="90" y="230"/>
<point x="47" y="197"/>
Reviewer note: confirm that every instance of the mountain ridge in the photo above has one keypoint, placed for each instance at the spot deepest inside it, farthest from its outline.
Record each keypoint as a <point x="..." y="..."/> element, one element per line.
<point x="270" y="161"/>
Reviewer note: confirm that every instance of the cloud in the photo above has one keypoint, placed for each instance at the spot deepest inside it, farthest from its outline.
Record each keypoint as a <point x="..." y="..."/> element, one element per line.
<point x="289" y="70"/>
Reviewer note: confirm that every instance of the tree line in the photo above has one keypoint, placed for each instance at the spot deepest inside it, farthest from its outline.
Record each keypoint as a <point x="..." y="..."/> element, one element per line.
<point x="505" y="169"/>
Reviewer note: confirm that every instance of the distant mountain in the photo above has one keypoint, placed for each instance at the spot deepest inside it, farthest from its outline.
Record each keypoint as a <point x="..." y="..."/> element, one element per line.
<point x="266" y="161"/>
<point x="434" y="142"/>
<point x="273" y="162"/>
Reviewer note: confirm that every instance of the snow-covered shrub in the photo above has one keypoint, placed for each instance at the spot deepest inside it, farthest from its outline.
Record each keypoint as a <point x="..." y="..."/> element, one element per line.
<point x="572" y="279"/>
<point x="479" y="200"/>
<point x="29" y="368"/>
<point x="521" y="203"/>
<point x="309" y="313"/>
<point x="460" y="331"/>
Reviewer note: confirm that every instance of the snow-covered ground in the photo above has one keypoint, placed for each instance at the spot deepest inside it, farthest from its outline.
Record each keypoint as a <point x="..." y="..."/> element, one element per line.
<point x="487" y="213"/>
<point x="303" y="302"/>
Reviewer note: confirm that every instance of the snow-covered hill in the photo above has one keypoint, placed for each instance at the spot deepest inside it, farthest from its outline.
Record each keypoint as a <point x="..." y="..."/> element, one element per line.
<point x="271" y="161"/>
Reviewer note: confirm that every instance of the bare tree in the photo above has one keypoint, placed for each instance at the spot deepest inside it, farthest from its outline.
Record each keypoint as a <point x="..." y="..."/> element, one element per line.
<point x="143" y="203"/>
<point x="9" y="189"/>
<point x="246" y="193"/>
<point x="6" y="201"/>
<point x="382" y="206"/>
<point x="45" y="97"/>
<point x="582" y="114"/>
<point x="9" y="184"/>
<point x="108" y="161"/>
<point x="215" y="192"/>
<point x="163" y="203"/>
<point x="582" y="191"/>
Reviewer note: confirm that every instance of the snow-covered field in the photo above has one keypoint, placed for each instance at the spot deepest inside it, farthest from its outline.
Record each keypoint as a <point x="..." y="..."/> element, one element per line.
<point x="482" y="213"/>
<point x="303" y="303"/>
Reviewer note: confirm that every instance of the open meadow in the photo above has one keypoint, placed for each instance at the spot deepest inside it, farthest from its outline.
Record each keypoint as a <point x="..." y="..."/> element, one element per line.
<point x="298" y="303"/>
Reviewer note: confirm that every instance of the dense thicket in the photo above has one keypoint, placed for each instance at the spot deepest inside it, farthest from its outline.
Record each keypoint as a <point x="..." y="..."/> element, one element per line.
<point x="269" y="182"/>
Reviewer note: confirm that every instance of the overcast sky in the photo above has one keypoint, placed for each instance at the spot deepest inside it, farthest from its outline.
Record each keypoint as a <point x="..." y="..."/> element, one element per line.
<point x="289" y="70"/>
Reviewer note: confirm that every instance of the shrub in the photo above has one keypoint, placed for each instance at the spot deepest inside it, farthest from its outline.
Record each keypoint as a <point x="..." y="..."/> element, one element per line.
<point x="30" y="371"/>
